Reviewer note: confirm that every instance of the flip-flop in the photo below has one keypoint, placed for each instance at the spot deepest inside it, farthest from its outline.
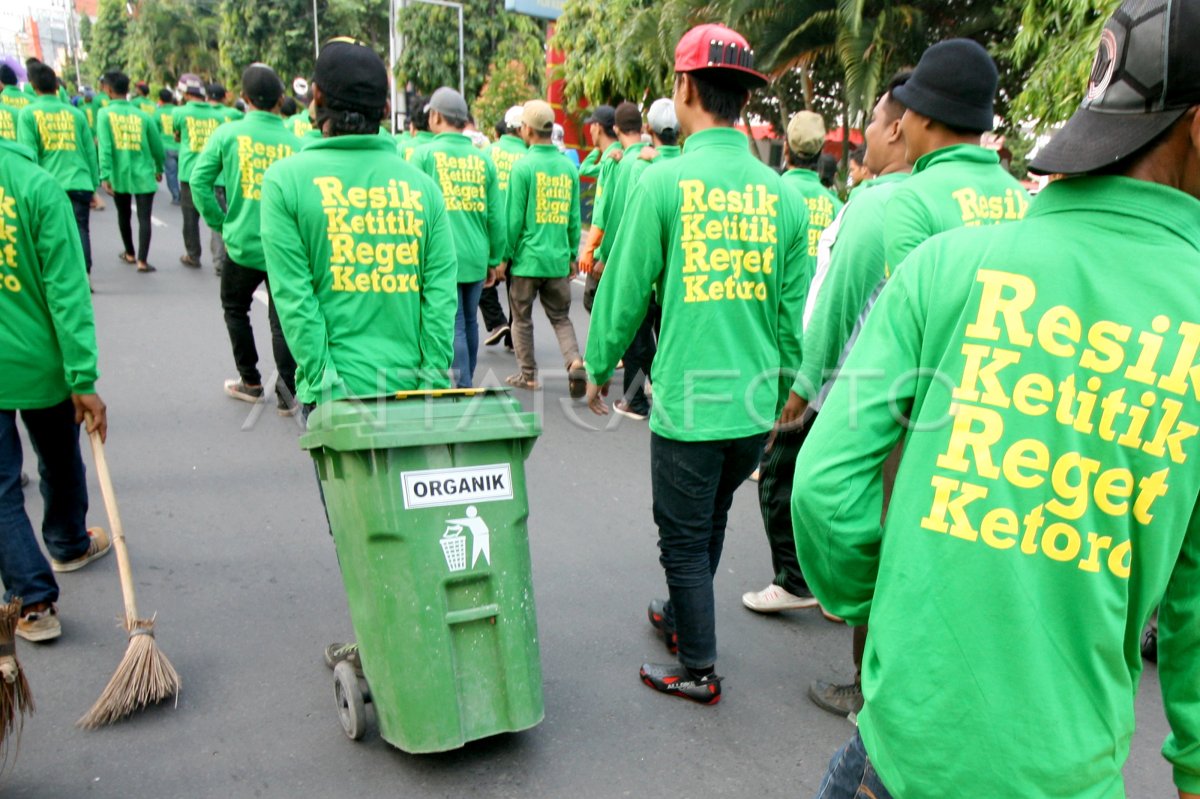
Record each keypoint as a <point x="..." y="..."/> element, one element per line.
<point x="519" y="381"/>
<point x="148" y="268"/>
<point x="127" y="258"/>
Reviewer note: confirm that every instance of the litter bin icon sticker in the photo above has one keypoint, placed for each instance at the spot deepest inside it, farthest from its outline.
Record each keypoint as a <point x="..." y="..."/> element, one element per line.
<point x="454" y="543"/>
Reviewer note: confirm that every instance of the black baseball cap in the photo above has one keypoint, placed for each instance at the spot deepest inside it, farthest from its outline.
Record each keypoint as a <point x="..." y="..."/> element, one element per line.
<point x="1144" y="78"/>
<point x="262" y="86"/>
<point x="352" y="76"/>
<point x="604" y="115"/>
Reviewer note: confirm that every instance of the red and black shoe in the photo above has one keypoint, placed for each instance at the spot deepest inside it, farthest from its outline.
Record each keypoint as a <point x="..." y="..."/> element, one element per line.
<point x="657" y="613"/>
<point x="676" y="680"/>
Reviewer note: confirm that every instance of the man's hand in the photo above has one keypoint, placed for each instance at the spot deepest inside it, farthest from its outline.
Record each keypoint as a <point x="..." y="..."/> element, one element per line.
<point x="107" y="187"/>
<point x="96" y="411"/>
<point x="494" y="275"/>
<point x="648" y="153"/>
<point x="586" y="262"/>
<point x="595" y="398"/>
<point x="617" y="155"/>
<point x="158" y="177"/>
<point x="790" y="418"/>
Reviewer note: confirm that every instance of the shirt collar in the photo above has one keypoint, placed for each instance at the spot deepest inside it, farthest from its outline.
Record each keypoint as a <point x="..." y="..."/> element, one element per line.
<point x="716" y="137"/>
<point x="890" y="177"/>
<point x="352" y="142"/>
<point x="453" y="137"/>
<point x="264" y="117"/>
<point x="1121" y="196"/>
<point x="957" y="153"/>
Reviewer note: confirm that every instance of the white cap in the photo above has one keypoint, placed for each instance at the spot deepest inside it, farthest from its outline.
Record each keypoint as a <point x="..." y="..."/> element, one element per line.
<point x="661" y="116"/>
<point x="512" y="118"/>
<point x="559" y="134"/>
<point x="299" y="87"/>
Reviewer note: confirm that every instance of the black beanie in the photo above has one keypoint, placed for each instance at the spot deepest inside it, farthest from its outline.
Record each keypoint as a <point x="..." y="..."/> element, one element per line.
<point x="954" y="83"/>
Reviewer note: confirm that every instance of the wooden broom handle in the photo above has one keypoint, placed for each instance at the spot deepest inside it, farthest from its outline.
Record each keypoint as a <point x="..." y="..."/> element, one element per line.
<point x="114" y="520"/>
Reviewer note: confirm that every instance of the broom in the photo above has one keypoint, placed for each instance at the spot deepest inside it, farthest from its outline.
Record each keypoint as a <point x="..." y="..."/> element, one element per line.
<point x="15" y="700"/>
<point x="144" y="675"/>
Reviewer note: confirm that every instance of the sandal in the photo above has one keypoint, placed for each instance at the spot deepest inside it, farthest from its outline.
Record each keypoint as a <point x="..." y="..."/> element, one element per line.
<point x="521" y="381"/>
<point x="577" y="380"/>
<point x="146" y="268"/>
<point x="127" y="258"/>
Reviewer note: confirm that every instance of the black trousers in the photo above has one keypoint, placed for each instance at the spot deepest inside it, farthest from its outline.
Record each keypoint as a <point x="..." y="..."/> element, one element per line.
<point x="238" y="284"/>
<point x="145" y="205"/>
<point x="638" y="358"/>
<point x="191" y="221"/>
<point x="81" y="204"/>
<point x="489" y="306"/>
<point x="775" y="502"/>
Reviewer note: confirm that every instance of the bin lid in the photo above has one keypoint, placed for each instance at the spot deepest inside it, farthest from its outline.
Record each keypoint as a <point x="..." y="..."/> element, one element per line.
<point x="419" y="418"/>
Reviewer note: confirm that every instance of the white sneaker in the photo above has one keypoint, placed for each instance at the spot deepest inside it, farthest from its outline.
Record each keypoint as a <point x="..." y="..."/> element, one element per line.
<point x="773" y="599"/>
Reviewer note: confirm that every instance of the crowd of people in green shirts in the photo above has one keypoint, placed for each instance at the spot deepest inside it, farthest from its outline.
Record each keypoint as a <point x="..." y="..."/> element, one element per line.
<point x="969" y="411"/>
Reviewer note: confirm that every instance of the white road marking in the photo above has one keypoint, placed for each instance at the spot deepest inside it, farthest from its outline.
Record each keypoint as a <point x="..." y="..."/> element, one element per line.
<point x="156" y="222"/>
<point x="260" y="294"/>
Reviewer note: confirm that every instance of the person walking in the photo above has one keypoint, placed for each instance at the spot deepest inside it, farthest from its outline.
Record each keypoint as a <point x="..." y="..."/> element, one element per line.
<point x="131" y="164"/>
<point x="8" y="110"/>
<point x="241" y="152"/>
<point x="49" y="368"/>
<point x="418" y="128"/>
<point x="543" y="240"/>
<point x="194" y="122"/>
<point x="1046" y="500"/>
<point x="679" y="224"/>
<point x="471" y="191"/>
<point x="602" y="129"/>
<point x="61" y="141"/>
<point x="505" y="152"/>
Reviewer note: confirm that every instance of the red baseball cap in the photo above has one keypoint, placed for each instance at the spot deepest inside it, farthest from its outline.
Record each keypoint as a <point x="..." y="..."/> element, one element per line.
<point x="717" y="47"/>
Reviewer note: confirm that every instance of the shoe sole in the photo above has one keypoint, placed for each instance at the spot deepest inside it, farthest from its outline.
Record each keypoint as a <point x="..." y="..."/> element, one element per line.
<point x="286" y="412"/>
<point x="238" y="395"/>
<point x="42" y="635"/>
<point x="629" y="414"/>
<point x="494" y="338"/>
<point x="828" y="708"/>
<point x="62" y="567"/>
<point x="749" y="602"/>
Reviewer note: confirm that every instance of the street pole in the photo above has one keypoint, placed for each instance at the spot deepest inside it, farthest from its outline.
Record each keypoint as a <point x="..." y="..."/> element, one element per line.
<point x="316" y="33"/>
<point x="392" y="61"/>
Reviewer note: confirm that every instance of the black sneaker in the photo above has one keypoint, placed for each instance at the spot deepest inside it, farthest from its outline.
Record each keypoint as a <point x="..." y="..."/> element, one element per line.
<point x="285" y="406"/>
<point x="1150" y="644"/>
<point x="674" y="679"/>
<point x="495" y="335"/>
<point x="840" y="700"/>
<point x="657" y="613"/>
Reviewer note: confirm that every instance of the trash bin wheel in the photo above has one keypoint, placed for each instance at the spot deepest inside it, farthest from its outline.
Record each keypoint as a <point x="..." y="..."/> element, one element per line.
<point x="352" y="711"/>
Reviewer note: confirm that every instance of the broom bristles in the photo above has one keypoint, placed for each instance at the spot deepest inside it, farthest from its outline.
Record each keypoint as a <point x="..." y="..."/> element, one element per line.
<point x="144" y="677"/>
<point x="16" y="702"/>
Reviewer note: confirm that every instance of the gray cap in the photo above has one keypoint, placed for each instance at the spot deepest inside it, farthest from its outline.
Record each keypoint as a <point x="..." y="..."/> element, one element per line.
<point x="661" y="116"/>
<point x="450" y="104"/>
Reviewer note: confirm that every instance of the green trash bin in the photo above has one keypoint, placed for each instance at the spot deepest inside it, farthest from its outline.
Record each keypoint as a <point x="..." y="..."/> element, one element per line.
<point x="426" y="499"/>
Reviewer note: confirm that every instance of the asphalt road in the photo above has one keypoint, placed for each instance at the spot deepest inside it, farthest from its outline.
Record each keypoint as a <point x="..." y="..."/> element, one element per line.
<point x="230" y="549"/>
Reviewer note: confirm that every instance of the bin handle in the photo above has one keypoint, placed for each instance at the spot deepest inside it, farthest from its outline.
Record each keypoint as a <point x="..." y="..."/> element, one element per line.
<point x="473" y="614"/>
<point x="447" y="392"/>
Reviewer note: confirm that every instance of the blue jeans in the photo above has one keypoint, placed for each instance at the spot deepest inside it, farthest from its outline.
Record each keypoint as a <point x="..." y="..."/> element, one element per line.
<point x="693" y="484"/>
<point x="55" y="439"/>
<point x="851" y="776"/>
<point x="466" y="333"/>
<point x="171" y="170"/>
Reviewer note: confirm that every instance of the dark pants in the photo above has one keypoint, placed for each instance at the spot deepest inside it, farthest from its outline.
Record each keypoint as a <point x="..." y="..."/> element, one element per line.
<point x="216" y="242"/>
<point x="775" y="503"/>
<point x="171" y="171"/>
<point x="81" y="204"/>
<point x="591" y="285"/>
<point x="191" y="221"/>
<point x="851" y="775"/>
<point x="489" y="306"/>
<point x="693" y="484"/>
<point x="55" y="438"/>
<point x="238" y="284"/>
<point x="637" y="359"/>
<point x="145" y="205"/>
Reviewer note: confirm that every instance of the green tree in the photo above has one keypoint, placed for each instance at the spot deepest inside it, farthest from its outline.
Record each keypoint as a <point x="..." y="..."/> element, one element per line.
<point x="596" y="69"/>
<point x="430" y="55"/>
<point x="170" y="37"/>
<point x="85" y="32"/>
<point x="1054" y="44"/>
<point x="507" y="85"/>
<point x="275" y="32"/>
<point x="107" y="50"/>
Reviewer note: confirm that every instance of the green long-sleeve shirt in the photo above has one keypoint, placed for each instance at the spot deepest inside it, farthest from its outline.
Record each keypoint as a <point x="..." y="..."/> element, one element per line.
<point x="1046" y="502"/>
<point x="848" y="272"/>
<point x="823" y="205"/>
<point x="590" y="166"/>
<point x="507" y="150"/>
<point x="604" y="181"/>
<point x="46" y="318"/>
<point x="362" y="269"/>
<point x="194" y="122"/>
<point x="165" y="116"/>
<point x="406" y="147"/>
<point x="543" y="214"/>
<point x="616" y="197"/>
<point x="14" y="98"/>
<point x="8" y="122"/>
<point x="131" y="151"/>
<point x="241" y="152"/>
<point x="958" y="186"/>
<point x="61" y="141"/>
<point x="471" y="191"/>
<point x="709" y="233"/>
